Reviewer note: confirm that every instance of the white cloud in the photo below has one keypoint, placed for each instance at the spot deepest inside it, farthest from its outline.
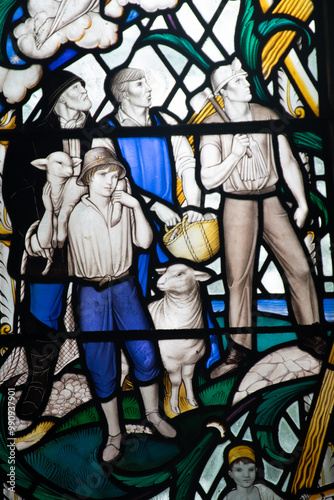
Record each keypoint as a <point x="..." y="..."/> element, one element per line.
<point x="53" y="23"/>
<point x="101" y="33"/>
<point x="151" y="5"/>
<point x="14" y="83"/>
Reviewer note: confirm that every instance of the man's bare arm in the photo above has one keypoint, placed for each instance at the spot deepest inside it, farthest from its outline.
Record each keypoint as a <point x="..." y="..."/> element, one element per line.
<point x="214" y="170"/>
<point x="142" y="231"/>
<point x="294" y="179"/>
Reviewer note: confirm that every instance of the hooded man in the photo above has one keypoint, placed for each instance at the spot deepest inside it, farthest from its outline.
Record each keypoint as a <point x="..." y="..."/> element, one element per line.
<point x="65" y="105"/>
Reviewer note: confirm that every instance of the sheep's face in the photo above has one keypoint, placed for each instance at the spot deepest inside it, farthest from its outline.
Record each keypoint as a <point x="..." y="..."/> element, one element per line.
<point x="180" y="279"/>
<point x="60" y="164"/>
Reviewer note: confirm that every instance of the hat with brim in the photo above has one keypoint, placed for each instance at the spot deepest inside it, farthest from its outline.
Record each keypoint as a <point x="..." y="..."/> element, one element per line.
<point x="222" y="75"/>
<point x="97" y="157"/>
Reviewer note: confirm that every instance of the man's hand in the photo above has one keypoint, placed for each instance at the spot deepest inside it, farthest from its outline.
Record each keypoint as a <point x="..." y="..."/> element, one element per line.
<point x="165" y="214"/>
<point x="193" y="216"/>
<point x="240" y="144"/>
<point x="124" y="199"/>
<point x="46" y="197"/>
<point x="300" y="216"/>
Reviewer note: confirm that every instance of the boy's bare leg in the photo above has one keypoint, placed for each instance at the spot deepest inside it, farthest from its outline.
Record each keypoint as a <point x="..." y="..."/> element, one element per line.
<point x="150" y="395"/>
<point x="113" y="445"/>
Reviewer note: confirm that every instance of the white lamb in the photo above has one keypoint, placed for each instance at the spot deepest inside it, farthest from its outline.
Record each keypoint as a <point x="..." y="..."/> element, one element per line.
<point x="180" y="308"/>
<point x="61" y="174"/>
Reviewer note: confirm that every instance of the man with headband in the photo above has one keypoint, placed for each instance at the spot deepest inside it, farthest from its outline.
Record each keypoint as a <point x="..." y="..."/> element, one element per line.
<point x="242" y="469"/>
<point x="244" y="166"/>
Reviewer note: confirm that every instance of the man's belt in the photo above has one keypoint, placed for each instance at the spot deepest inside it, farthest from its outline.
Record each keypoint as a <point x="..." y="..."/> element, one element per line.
<point x="105" y="282"/>
<point x="258" y="193"/>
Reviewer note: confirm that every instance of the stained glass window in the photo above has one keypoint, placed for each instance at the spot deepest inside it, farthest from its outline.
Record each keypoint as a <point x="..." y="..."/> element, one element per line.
<point x="167" y="290"/>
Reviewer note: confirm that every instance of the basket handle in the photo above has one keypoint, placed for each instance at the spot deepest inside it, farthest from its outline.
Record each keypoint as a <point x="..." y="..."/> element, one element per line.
<point x="181" y="223"/>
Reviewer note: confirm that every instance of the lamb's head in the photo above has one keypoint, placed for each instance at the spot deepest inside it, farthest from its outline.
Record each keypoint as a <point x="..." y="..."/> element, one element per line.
<point x="180" y="279"/>
<point x="57" y="164"/>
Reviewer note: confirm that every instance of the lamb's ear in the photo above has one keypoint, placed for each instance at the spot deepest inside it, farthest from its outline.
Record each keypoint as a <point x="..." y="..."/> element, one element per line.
<point x="161" y="270"/>
<point x="201" y="276"/>
<point x="40" y="163"/>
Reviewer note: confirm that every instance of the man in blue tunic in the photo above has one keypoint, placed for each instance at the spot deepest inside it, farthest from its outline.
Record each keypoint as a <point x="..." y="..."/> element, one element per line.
<point x="153" y="161"/>
<point x="159" y="166"/>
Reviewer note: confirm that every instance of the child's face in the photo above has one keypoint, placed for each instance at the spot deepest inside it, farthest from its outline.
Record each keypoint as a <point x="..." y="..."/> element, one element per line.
<point x="104" y="182"/>
<point x="243" y="474"/>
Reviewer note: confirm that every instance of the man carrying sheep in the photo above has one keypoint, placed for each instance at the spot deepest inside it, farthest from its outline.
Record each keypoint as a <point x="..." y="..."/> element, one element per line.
<point x="65" y="105"/>
<point x="245" y="167"/>
<point x="100" y="255"/>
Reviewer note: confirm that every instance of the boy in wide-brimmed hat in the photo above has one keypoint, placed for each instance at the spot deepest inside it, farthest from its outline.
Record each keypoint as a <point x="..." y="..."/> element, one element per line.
<point x="100" y="250"/>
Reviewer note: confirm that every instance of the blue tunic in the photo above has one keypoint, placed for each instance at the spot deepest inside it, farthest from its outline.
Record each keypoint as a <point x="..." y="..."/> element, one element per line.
<point x="151" y="170"/>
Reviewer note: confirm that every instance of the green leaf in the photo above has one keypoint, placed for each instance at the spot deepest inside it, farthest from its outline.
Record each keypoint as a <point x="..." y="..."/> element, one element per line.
<point x="317" y="201"/>
<point x="274" y="401"/>
<point x="278" y="398"/>
<point x="275" y="24"/>
<point x="143" y="481"/>
<point x="5" y="7"/>
<point x="189" y="466"/>
<point x="308" y="140"/>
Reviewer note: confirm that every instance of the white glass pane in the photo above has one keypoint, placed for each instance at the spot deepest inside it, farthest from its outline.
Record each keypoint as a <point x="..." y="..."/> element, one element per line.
<point x="118" y="56"/>
<point x="321" y="187"/>
<point x="211" y="50"/>
<point x="29" y="106"/>
<point x="293" y="412"/>
<point x="164" y="495"/>
<point x="224" y="28"/>
<point x="190" y="22"/>
<point x="235" y="428"/>
<point x="178" y="105"/>
<point x="194" y="78"/>
<point x="108" y="108"/>
<point x="319" y="166"/>
<point x="212" y="200"/>
<point x="177" y="60"/>
<point x="219" y="489"/>
<point x="271" y="473"/>
<point x="216" y="288"/>
<point x="262" y="257"/>
<point x="326" y="256"/>
<point x="247" y="436"/>
<point x="272" y="280"/>
<point x="313" y="63"/>
<point x="312" y="26"/>
<point x="329" y="286"/>
<point x="212" y="467"/>
<point x="207" y="8"/>
<point x="270" y="88"/>
<point x="286" y="482"/>
<point x="287" y="438"/>
<point x="159" y="24"/>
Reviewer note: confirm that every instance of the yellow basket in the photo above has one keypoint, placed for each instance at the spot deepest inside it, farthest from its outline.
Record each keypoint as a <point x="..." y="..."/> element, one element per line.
<point x="197" y="241"/>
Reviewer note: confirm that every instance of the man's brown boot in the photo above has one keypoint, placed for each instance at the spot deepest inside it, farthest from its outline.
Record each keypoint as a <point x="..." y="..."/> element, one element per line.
<point x="231" y="363"/>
